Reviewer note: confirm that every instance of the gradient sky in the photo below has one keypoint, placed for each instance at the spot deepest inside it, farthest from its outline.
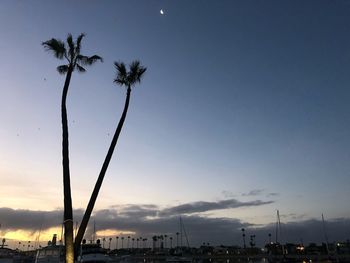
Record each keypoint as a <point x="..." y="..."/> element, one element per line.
<point x="243" y="100"/>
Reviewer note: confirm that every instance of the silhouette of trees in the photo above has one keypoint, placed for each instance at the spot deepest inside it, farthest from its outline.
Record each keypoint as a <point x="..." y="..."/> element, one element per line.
<point x="69" y="51"/>
<point x="128" y="78"/>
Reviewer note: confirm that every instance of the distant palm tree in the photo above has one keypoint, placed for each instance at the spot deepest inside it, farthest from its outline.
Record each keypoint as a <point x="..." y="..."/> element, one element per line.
<point x="116" y="244"/>
<point x="122" y="242"/>
<point x="128" y="79"/>
<point x="71" y="53"/>
<point x="140" y="238"/>
<point x="243" y="236"/>
<point x="110" y="241"/>
<point x="165" y="242"/>
<point x="154" y="238"/>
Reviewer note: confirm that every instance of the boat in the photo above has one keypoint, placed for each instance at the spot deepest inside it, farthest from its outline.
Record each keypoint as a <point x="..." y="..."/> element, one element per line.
<point x="53" y="252"/>
<point x="7" y="255"/>
<point x="93" y="253"/>
<point x="178" y="259"/>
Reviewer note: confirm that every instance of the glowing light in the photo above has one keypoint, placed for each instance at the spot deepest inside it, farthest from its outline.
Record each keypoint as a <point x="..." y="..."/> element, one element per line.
<point x="113" y="232"/>
<point x="161" y="12"/>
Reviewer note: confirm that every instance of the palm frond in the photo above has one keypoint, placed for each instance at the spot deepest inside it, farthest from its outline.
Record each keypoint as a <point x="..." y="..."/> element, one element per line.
<point x="134" y="66"/>
<point x="82" y="59"/>
<point x="56" y="46"/>
<point x="93" y="59"/>
<point x="62" y="69"/>
<point x="80" y="68"/>
<point x="136" y="72"/>
<point x="142" y="71"/>
<point x="78" y="46"/>
<point x="120" y="81"/>
<point x="88" y="61"/>
<point x="71" y="46"/>
<point x="121" y="68"/>
<point x="122" y="76"/>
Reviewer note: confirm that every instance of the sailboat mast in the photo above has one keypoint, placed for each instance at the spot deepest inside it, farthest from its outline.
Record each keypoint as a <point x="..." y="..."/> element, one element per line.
<point x="94" y="234"/>
<point x="277" y="228"/>
<point x="180" y="232"/>
<point x="183" y="227"/>
<point x="325" y="234"/>
<point x="279" y="224"/>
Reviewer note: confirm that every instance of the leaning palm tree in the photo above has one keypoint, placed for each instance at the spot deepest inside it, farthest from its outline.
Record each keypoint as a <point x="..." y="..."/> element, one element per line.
<point x="70" y="52"/>
<point x="128" y="79"/>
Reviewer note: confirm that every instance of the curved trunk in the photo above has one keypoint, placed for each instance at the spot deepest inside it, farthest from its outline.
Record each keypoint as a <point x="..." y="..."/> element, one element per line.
<point x="68" y="210"/>
<point x="99" y="181"/>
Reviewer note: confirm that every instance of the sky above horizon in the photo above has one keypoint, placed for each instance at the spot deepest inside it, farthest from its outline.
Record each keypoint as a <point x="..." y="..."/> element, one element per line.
<point x="244" y="109"/>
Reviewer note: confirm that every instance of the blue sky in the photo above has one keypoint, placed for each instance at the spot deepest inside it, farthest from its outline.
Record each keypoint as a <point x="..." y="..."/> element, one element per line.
<point x="238" y="96"/>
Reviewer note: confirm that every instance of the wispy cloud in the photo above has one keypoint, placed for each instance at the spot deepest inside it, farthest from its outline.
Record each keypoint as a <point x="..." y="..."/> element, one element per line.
<point x="272" y="194"/>
<point x="228" y="194"/>
<point x="254" y="192"/>
<point x="198" y="207"/>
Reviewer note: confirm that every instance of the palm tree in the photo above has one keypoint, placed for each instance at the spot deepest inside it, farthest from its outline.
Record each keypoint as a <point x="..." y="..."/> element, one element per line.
<point x="243" y="236"/>
<point x="165" y="238"/>
<point x="110" y="241"/>
<point x="127" y="79"/>
<point x="74" y="61"/>
<point x="177" y="239"/>
<point x="116" y="244"/>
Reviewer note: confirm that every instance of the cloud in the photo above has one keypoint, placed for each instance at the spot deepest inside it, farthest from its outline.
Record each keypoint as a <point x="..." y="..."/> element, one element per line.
<point x="141" y="219"/>
<point x="130" y="217"/>
<point x="272" y="194"/>
<point x="199" y="207"/>
<point x="138" y="210"/>
<point x="13" y="219"/>
<point x="254" y="192"/>
<point x="228" y="194"/>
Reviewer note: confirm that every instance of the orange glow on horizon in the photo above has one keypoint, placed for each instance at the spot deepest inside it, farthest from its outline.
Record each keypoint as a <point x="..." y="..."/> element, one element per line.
<point x="113" y="232"/>
<point x="26" y="235"/>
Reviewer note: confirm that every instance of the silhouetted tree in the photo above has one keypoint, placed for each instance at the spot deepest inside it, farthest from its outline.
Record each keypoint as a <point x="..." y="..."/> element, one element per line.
<point x="127" y="79"/>
<point x="243" y="236"/>
<point x="69" y="51"/>
<point x="110" y="241"/>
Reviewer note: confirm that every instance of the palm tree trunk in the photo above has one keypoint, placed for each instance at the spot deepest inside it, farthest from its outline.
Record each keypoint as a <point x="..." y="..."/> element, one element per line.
<point x="99" y="181"/>
<point x="68" y="210"/>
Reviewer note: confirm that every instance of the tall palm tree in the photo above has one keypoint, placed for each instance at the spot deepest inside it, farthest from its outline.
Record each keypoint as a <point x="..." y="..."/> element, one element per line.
<point x="110" y="241"/>
<point x="70" y="52"/>
<point x="122" y="242"/>
<point x="128" y="79"/>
